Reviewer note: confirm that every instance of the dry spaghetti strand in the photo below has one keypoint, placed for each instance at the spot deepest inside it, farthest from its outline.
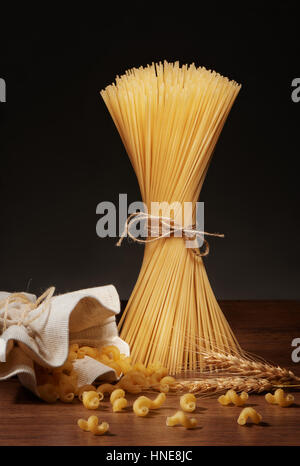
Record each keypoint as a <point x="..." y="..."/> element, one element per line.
<point x="169" y="119"/>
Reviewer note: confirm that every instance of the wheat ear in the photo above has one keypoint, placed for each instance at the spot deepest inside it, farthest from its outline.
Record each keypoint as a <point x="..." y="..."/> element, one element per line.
<point x="210" y="386"/>
<point x="239" y="366"/>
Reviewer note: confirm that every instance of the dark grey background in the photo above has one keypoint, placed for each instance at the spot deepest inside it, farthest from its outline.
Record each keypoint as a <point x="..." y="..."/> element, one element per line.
<point x="61" y="154"/>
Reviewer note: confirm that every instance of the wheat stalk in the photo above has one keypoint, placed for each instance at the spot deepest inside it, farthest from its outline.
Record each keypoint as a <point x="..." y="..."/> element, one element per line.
<point x="238" y="373"/>
<point x="239" y="366"/>
<point x="210" y="386"/>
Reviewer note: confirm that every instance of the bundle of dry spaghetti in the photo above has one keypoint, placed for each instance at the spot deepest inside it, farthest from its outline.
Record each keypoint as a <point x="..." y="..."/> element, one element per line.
<point x="170" y="118"/>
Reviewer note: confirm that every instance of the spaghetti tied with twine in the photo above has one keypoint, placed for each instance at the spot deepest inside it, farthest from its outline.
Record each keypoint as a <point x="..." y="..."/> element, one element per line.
<point x="165" y="228"/>
<point x="21" y="298"/>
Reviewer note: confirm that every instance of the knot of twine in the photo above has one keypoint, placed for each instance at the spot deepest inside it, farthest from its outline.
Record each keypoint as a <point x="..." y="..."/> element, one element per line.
<point x="20" y="298"/>
<point x="165" y="227"/>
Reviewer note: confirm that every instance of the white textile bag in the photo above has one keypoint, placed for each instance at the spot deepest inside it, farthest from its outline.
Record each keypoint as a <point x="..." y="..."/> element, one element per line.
<point x="40" y="330"/>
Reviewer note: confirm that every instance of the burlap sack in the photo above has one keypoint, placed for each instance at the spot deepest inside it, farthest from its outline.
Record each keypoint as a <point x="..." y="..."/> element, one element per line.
<point x="41" y="330"/>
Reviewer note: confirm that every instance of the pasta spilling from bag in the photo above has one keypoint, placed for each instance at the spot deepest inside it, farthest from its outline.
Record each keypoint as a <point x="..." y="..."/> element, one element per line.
<point x="49" y="342"/>
<point x="169" y="119"/>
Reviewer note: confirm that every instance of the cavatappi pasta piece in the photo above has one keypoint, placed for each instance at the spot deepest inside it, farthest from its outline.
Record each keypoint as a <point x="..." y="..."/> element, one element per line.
<point x="157" y="375"/>
<point x="181" y="418"/>
<point x="119" y="404"/>
<point x="87" y="351"/>
<point x="124" y="365"/>
<point x="74" y="347"/>
<point x="66" y="392"/>
<point x="85" y="388"/>
<point x="115" y="365"/>
<point x="92" y="425"/>
<point x="142" y="404"/>
<point x="104" y="359"/>
<point x="153" y="367"/>
<point x="124" y="357"/>
<point x="111" y="351"/>
<point x="166" y="383"/>
<point x="48" y="392"/>
<point x="128" y="384"/>
<point x="159" y="400"/>
<point x="279" y="398"/>
<point x="249" y="413"/>
<point x="70" y="378"/>
<point x="91" y="399"/>
<point x="117" y="393"/>
<point x="138" y="378"/>
<point x="101" y="429"/>
<point x="188" y="402"/>
<point x="232" y="397"/>
<point x="89" y="424"/>
<point x="142" y="368"/>
<point x="73" y="352"/>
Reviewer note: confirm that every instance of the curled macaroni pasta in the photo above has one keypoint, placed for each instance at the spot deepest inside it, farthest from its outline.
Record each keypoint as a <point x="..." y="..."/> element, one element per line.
<point x="104" y="359"/>
<point x="157" y="375"/>
<point x="74" y="347"/>
<point x="66" y="393"/>
<point x="119" y="404"/>
<point x="91" y="399"/>
<point x="279" y="398"/>
<point x="232" y="397"/>
<point x="154" y="366"/>
<point x="124" y="366"/>
<point x="138" y="378"/>
<point x="118" y="393"/>
<point x="128" y="384"/>
<point x="143" y="404"/>
<point x="125" y="358"/>
<point x="165" y="383"/>
<point x="141" y="368"/>
<point x="101" y="429"/>
<point x="92" y="425"/>
<point x="73" y="352"/>
<point x="249" y="412"/>
<point x="112" y="351"/>
<point x="68" y="380"/>
<point x="188" y="402"/>
<point x="159" y="400"/>
<point x="88" y="351"/>
<point x="117" y="400"/>
<point x="181" y="418"/>
<point x="85" y="388"/>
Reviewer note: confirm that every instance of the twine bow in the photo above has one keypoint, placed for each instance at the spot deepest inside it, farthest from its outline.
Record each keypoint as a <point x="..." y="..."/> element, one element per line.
<point x="20" y="298"/>
<point x="164" y="227"/>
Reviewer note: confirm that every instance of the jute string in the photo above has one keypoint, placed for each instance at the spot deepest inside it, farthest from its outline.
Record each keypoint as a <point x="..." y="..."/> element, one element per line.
<point x="21" y="298"/>
<point x="164" y="227"/>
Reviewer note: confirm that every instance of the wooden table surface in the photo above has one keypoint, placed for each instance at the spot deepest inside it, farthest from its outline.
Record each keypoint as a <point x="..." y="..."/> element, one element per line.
<point x="262" y="327"/>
